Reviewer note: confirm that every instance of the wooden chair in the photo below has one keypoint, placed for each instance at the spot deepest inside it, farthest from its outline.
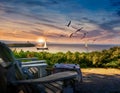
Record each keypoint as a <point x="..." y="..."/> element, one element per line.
<point x="17" y="81"/>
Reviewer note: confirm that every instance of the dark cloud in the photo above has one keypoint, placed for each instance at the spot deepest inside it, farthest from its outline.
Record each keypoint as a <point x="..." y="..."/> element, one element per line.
<point x="23" y="23"/>
<point x="94" y="33"/>
<point x="56" y="35"/>
<point x="116" y="5"/>
<point x="36" y="15"/>
<point x="51" y="25"/>
<point x="8" y="9"/>
<point x="38" y="29"/>
<point x="110" y="25"/>
<point x="89" y="20"/>
<point x="30" y="2"/>
<point x="37" y="33"/>
<point x="14" y="35"/>
<point x="11" y="10"/>
<point x="108" y="36"/>
<point x="115" y="2"/>
<point x="41" y="3"/>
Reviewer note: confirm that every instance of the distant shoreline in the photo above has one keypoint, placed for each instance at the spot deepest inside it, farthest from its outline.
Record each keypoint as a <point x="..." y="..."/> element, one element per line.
<point x="53" y="48"/>
<point x="21" y="45"/>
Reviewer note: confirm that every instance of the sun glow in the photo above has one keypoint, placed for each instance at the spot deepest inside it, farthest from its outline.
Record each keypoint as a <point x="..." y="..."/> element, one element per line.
<point x="41" y="40"/>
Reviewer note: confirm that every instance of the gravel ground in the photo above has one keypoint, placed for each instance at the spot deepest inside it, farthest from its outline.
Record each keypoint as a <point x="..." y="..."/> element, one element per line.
<point x="99" y="80"/>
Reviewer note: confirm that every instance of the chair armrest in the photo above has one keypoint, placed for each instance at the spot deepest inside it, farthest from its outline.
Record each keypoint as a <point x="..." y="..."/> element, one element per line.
<point x="61" y="76"/>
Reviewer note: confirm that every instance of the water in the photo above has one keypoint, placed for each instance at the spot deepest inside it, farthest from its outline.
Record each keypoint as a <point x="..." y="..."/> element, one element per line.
<point x="53" y="48"/>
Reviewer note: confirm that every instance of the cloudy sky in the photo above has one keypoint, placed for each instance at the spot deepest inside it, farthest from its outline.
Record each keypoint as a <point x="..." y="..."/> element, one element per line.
<point x="29" y="20"/>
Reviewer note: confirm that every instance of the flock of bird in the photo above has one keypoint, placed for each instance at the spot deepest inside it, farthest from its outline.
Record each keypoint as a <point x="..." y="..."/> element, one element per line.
<point x="77" y="31"/>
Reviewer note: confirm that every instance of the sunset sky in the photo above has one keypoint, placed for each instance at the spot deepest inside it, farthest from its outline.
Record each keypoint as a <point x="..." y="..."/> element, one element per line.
<point x="29" y="20"/>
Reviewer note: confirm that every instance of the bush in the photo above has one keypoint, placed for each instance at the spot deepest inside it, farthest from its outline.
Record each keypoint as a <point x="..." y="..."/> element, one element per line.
<point x="105" y="58"/>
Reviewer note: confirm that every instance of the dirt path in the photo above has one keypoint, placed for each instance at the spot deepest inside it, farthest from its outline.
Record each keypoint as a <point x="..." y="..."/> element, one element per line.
<point x="99" y="80"/>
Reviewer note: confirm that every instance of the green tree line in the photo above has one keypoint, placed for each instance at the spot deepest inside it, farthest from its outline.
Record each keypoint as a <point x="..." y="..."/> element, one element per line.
<point x="104" y="58"/>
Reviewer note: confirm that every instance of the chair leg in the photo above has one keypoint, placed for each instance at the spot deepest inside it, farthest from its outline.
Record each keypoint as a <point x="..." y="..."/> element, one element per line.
<point x="68" y="86"/>
<point x="22" y="89"/>
<point x="3" y="80"/>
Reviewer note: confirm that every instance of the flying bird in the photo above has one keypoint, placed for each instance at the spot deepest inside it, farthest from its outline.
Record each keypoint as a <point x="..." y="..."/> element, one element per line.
<point x="71" y="35"/>
<point x="75" y="32"/>
<point x="69" y="24"/>
<point x="74" y="27"/>
<point x="78" y="30"/>
<point x="84" y="35"/>
<point x="94" y="40"/>
<point x="62" y="36"/>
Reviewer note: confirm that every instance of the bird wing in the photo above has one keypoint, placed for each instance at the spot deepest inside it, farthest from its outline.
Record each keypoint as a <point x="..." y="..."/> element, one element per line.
<point x="79" y="29"/>
<point x="69" y="23"/>
<point x="71" y="35"/>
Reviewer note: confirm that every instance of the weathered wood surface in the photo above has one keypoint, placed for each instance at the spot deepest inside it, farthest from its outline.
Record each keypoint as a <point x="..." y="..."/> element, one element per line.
<point x="51" y="78"/>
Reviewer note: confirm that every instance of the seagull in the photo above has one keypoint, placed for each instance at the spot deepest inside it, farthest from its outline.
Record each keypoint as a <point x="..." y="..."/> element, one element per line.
<point x="69" y="24"/>
<point x="74" y="27"/>
<point x="71" y="35"/>
<point x="79" y="30"/>
<point x="62" y="36"/>
<point x="75" y="32"/>
<point x="94" y="40"/>
<point x="84" y="35"/>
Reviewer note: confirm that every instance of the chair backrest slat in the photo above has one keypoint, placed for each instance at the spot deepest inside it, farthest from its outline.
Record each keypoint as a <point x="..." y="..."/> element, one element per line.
<point x="7" y="56"/>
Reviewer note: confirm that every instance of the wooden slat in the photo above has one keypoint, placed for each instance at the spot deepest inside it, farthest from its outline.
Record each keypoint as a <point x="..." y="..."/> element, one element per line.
<point x="51" y="78"/>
